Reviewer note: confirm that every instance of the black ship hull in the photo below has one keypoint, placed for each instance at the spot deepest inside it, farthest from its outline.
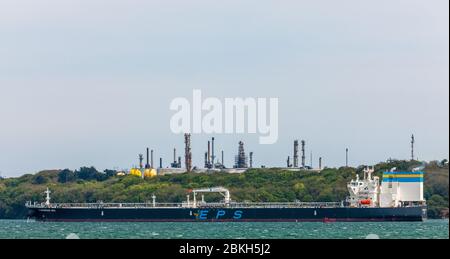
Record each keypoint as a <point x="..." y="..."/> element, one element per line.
<point x="228" y="214"/>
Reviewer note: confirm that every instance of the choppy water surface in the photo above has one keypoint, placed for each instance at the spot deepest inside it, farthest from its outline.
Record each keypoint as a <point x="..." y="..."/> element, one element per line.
<point x="383" y="230"/>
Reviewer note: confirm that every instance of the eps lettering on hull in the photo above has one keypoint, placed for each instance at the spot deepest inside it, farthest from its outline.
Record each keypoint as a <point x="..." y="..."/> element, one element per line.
<point x="219" y="214"/>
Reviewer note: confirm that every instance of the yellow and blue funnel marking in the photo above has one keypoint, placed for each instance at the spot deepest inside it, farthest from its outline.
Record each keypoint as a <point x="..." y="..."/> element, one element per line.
<point x="403" y="177"/>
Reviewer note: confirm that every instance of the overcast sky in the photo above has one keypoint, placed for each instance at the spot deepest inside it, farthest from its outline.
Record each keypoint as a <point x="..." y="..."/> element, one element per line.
<point x="89" y="83"/>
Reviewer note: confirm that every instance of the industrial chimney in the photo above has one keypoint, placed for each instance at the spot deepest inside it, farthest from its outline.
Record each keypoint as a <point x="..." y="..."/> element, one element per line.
<point x="303" y="153"/>
<point x="223" y="163"/>
<point x="346" y="157"/>
<point x="176" y="164"/>
<point x="151" y="159"/>
<point x="141" y="158"/>
<point x="320" y="163"/>
<point x="213" y="155"/>
<point x="147" y="164"/>
<point x="209" y="152"/>
<point x="187" y="152"/>
<point x="174" y="155"/>
<point x="296" y="153"/>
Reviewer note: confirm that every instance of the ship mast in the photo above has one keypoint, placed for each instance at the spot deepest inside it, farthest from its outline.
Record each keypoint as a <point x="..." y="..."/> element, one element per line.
<point x="47" y="198"/>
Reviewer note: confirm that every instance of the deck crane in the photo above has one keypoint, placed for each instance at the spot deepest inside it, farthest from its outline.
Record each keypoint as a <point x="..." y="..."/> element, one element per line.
<point x="223" y="191"/>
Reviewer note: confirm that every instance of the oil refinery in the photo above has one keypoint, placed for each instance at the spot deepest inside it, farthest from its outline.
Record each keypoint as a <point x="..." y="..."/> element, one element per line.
<point x="212" y="163"/>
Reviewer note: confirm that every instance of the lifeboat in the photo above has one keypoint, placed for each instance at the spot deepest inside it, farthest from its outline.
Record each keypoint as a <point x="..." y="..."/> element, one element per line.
<point x="365" y="202"/>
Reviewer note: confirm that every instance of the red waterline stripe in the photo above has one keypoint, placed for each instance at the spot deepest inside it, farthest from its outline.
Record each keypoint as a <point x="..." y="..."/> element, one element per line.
<point x="242" y="220"/>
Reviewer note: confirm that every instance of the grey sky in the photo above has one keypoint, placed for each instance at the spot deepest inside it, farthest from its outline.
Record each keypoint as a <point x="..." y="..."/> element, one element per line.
<point x="90" y="82"/>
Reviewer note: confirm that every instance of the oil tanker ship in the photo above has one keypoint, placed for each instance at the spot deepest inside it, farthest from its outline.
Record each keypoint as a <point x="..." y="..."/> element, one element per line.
<point x="398" y="196"/>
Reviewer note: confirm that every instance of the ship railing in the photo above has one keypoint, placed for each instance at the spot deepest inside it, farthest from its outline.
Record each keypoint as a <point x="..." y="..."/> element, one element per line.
<point x="191" y="205"/>
<point x="106" y="205"/>
<point x="284" y="205"/>
<point x="231" y="205"/>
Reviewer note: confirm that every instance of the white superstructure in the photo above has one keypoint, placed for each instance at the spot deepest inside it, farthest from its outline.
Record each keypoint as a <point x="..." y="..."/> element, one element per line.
<point x="401" y="188"/>
<point x="397" y="189"/>
<point x="364" y="192"/>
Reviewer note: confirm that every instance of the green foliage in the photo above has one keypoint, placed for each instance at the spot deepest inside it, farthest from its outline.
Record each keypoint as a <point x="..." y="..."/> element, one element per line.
<point x="66" y="176"/>
<point x="39" y="179"/>
<point x="84" y="174"/>
<point x="110" y="173"/>
<point x="437" y="204"/>
<point x="90" y="173"/>
<point x="436" y="190"/>
<point x="264" y="185"/>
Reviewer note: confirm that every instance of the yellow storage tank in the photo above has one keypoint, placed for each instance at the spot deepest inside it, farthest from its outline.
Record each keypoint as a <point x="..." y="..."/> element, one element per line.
<point x="136" y="172"/>
<point x="149" y="173"/>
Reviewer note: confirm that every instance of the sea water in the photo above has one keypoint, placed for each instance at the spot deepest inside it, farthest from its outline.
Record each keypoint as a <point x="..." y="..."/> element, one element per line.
<point x="23" y="229"/>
